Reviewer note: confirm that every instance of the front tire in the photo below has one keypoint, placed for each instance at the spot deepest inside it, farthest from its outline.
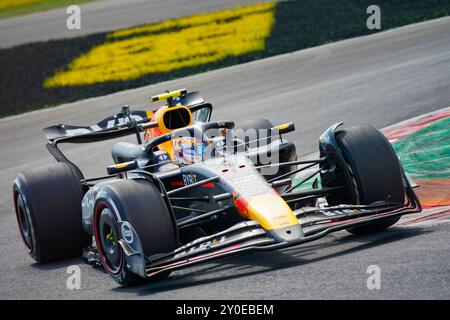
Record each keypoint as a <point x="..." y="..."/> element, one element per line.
<point x="375" y="173"/>
<point x="138" y="202"/>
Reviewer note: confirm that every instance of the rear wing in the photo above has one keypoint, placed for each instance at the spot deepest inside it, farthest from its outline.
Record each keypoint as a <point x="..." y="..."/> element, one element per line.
<point x="108" y="124"/>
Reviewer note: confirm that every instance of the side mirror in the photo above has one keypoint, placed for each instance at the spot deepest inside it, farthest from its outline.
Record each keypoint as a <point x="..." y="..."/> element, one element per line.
<point x="283" y="128"/>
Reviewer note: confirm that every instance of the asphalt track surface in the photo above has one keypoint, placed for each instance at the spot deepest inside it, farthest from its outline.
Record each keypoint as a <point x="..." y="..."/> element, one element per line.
<point x="378" y="80"/>
<point x="105" y="15"/>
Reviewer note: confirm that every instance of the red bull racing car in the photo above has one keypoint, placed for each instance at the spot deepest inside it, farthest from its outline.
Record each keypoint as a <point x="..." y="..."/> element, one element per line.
<point x="191" y="190"/>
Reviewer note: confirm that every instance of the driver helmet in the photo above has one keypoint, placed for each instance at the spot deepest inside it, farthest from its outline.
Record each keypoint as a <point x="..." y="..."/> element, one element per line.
<point x="188" y="150"/>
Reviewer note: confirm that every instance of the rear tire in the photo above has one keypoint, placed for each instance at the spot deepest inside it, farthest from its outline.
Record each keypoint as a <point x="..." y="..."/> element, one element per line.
<point x="251" y="130"/>
<point x="140" y="203"/>
<point x="48" y="210"/>
<point x="375" y="172"/>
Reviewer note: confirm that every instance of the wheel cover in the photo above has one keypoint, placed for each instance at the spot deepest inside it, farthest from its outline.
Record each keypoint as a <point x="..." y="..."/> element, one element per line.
<point x="106" y="238"/>
<point x="24" y="222"/>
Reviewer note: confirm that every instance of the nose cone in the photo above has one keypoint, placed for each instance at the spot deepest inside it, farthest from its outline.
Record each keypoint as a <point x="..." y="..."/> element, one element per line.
<point x="271" y="211"/>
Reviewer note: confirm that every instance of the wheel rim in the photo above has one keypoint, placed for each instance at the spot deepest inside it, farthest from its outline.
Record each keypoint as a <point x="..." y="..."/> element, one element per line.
<point x="24" y="222"/>
<point x="110" y="244"/>
<point x="106" y="236"/>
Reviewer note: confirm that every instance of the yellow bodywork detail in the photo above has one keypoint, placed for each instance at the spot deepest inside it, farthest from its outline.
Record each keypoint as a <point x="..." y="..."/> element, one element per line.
<point x="168" y="147"/>
<point x="168" y="95"/>
<point x="159" y="117"/>
<point x="171" y="45"/>
<point x="149" y="114"/>
<point x="271" y="211"/>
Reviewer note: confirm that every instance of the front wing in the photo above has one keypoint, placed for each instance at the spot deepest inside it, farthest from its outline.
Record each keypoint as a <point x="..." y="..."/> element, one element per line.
<point x="249" y="236"/>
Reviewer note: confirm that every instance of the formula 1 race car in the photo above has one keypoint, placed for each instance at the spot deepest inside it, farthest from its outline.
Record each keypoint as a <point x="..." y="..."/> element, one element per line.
<point x="191" y="190"/>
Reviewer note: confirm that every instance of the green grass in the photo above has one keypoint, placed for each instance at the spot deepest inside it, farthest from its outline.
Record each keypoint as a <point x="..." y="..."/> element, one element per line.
<point x="299" y="24"/>
<point x="37" y="7"/>
<point x="425" y="154"/>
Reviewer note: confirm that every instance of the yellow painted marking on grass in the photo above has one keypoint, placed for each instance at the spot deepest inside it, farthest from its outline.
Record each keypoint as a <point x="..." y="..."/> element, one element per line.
<point x="6" y="4"/>
<point x="171" y="45"/>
